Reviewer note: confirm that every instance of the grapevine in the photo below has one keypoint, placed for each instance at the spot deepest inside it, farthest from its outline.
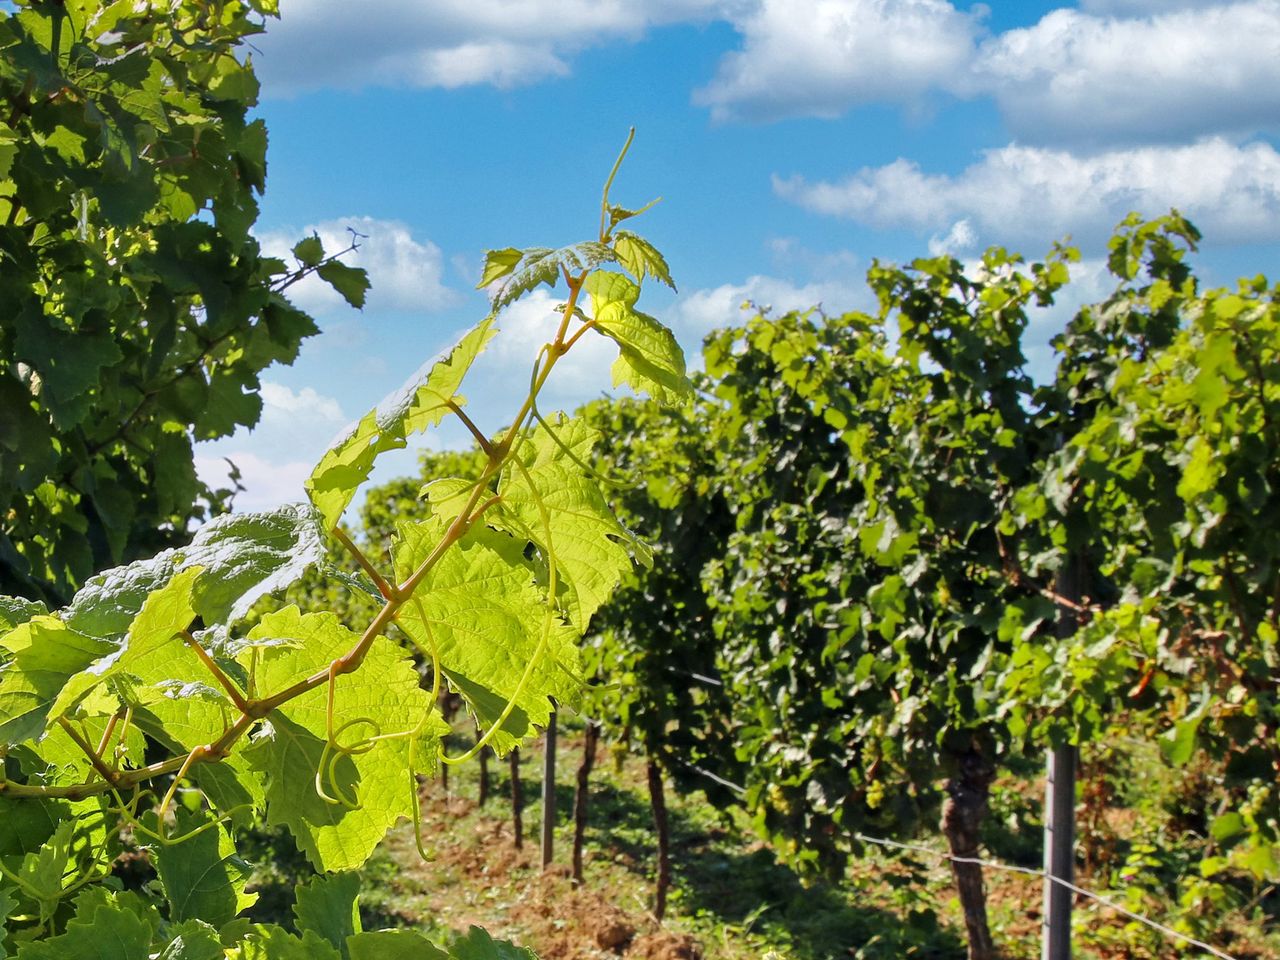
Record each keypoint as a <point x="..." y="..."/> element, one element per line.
<point x="301" y="719"/>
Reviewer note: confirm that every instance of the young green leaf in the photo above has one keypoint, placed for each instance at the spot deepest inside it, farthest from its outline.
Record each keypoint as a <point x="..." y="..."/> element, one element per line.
<point x="192" y="940"/>
<point x="7" y="903"/>
<point x="641" y="258"/>
<point x="164" y="614"/>
<point x="101" y="930"/>
<point x="394" y="945"/>
<point x="650" y="359"/>
<point x="539" y="265"/>
<point x="309" y="251"/>
<point x="497" y="264"/>
<point x="422" y="402"/>
<point x="45" y="653"/>
<point x="351" y="282"/>
<point x="246" y="556"/>
<point x="327" y="906"/>
<point x="478" y="944"/>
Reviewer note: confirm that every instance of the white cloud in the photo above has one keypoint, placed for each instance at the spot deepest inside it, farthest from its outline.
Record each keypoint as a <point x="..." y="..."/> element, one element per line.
<point x="698" y="313"/>
<point x="281" y="403"/>
<point x="278" y="454"/>
<point x="1019" y="194"/>
<point x="961" y="238"/>
<point x="1076" y="78"/>
<point x="267" y="482"/>
<point x="1139" y="8"/>
<point x="449" y="43"/>
<point x="405" y="274"/>
<point x="820" y="57"/>
<point x="1112" y="71"/>
<point x="1118" y="71"/>
<point x="792" y="256"/>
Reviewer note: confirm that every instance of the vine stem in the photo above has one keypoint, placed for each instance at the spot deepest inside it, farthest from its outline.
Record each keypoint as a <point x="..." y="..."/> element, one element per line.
<point x="384" y="588"/>
<point x="254" y="710"/>
<point x="108" y="774"/>
<point x="604" y="202"/>
<point x="223" y="680"/>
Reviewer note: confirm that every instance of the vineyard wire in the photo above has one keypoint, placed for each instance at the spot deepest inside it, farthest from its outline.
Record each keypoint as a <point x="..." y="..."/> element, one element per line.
<point x="997" y="865"/>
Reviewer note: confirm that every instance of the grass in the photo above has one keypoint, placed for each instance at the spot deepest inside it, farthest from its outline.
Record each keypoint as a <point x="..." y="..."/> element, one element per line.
<point x="733" y="900"/>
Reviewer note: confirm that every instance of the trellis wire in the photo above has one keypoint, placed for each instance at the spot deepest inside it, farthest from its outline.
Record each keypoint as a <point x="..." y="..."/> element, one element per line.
<point x="996" y="865"/>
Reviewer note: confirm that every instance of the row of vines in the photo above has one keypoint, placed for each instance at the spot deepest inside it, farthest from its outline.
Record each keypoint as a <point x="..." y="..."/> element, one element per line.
<point x="888" y="566"/>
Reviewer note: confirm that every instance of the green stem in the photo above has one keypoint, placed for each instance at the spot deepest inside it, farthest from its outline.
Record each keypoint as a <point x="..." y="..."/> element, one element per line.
<point x="604" y="202"/>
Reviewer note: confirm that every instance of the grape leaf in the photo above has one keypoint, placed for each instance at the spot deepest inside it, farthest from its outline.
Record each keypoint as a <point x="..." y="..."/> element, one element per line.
<point x="27" y="824"/>
<point x="245" y="557"/>
<point x="309" y="251"/>
<point x="7" y="903"/>
<point x="327" y="907"/>
<point x="650" y="359"/>
<point x="351" y="282"/>
<point x="385" y="690"/>
<point x="641" y="258"/>
<point x="269" y="942"/>
<point x="480" y="614"/>
<point x="16" y="610"/>
<point x="193" y="940"/>
<point x="497" y="264"/>
<point x="203" y="877"/>
<point x="106" y="931"/>
<point x="539" y="265"/>
<point x="164" y="614"/>
<point x="479" y="945"/>
<point x="45" y="653"/>
<point x="41" y="872"/>
<point x="420" y="403"/>
<point x="557" y="505"/>
<point x="394" y="945"/>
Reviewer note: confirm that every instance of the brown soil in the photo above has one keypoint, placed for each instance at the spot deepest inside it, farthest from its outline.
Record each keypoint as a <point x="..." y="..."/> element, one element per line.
<point x="542" y="910"/>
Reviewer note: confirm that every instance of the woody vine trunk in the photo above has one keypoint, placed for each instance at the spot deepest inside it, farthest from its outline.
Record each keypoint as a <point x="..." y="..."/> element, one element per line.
<point x="968" y="790"/>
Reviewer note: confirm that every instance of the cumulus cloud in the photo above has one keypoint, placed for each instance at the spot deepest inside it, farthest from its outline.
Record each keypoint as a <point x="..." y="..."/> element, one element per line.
<point x="449" y="43"/>
<point x="1111" y="71"/>
<point x="820" y="57"/>
<point x="961" y="238"/>
<point x="696" y="314"/>
<point x="405" y="274"/>
<point x="1117" y="71"/>
<point x="278" y="454"/>
<point x="500" y="377"/>
<point x="1019" y="194"/>
<point x="1139" y="8"/>
<point x="1077" y="78"/>
<point x="267" y="482"/>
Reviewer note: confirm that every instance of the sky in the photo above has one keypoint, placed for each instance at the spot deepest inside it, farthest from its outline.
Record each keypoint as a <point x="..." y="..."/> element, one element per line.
<point x="791" y="141"/>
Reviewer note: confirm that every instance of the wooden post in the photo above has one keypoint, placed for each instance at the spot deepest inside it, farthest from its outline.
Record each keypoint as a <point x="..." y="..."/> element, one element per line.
<point x="589" y="739"/>
<point x="549" y="793"/>
<point x="517" y="798"/>
<point x="658" y="801"/>
<point x="1060" y="801"/>
<point x="483" y="798"/>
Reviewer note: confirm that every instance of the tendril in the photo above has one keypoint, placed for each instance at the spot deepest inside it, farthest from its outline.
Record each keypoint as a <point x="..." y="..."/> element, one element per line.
<point x="333" y="754"/>
<point x="125" y="809"/>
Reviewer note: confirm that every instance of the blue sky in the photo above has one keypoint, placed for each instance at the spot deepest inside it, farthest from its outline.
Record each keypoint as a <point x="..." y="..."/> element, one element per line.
<point x="792" y="141"/>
